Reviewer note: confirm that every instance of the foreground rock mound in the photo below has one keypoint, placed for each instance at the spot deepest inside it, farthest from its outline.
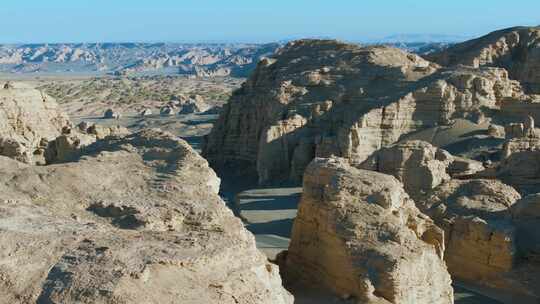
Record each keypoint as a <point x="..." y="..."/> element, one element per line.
<point x="319" y="98"/>
<point x="28" y="120"/>
<point x="515" y="49"/>
<point x="358" y="233"/>
<point x="134" y="220"/>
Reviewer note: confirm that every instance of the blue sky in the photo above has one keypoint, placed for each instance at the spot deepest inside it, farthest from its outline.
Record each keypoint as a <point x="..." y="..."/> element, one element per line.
<point x="253" y="21"/>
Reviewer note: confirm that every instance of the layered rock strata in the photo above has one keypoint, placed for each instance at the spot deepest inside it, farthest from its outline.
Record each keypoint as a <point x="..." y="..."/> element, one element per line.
<point x="319" y="98"/>
<point x="515" y="49"/>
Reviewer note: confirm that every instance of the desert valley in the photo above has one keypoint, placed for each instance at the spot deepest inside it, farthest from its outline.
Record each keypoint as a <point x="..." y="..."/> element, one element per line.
<point x="302" y="171"/>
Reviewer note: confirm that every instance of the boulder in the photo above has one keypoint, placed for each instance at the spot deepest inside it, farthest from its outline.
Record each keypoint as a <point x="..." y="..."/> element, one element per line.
<point x="475" y="215"/>
<point x="131" y="220"/>
<point x="417" y="164"/>
<point x="359" y="234"/>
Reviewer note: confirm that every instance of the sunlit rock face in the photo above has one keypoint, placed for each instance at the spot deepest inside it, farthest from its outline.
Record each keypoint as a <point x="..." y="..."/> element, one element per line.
<point x="318" y="98"/>
<point x="359" y="234"/>
<point x="515" y="49"/>
<point x="133" y="219"/>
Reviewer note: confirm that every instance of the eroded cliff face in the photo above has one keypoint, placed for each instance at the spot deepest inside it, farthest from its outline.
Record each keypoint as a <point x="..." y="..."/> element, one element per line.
<point x="358" y="233"/>
<point x="515" y="49"/>
<point x="322" y="98"/>
<point x="132" y="219"/>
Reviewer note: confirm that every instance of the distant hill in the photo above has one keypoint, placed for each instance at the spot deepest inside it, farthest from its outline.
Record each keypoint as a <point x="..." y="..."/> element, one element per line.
<point x="134" y="58"/>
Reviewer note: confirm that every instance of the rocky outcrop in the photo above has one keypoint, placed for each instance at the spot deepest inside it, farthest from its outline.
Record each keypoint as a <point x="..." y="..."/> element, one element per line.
<point x="195" y="104"/>
<point x="358" y="234"/>
<point x="476" y="218"/>
<point x="348" y="101"/>
<point x="515" y="49"/>
<point x="28" y="120"/>
<point x="134" y="220"/>
<point x="522" y="170"/>
<point x="73" y="141"/>
<point x="526" y="216"/>
<point x="417" y="164"/>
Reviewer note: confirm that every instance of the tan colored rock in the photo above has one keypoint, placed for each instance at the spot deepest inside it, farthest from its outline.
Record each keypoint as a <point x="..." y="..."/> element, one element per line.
<point x="194" y="105"/>
<point x="417" y="164"/>
<point x="358" y="234"/>
<point x="526" y="216"/>
<point x="352" y="101"/>
<point x="102" y="132"/>
<point x="28" y="119"/>
<point x="134" y="220"/>
<point x="519" y="144"/>
<point x="463" y="167"/>
<point x="515" y="49"/>
<point x="521" y="168"/>
<point x="496" y="131"/>
<point x="476" y="218"/>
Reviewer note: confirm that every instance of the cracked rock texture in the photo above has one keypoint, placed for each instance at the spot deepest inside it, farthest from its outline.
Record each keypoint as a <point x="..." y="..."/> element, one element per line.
<point x="134" y="220"/>
<point x="359" y="234"/>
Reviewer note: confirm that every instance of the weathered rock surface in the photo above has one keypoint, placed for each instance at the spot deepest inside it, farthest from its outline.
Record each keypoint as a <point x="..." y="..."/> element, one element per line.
<point x="417" y="164"/>
<point x="322" y="98"/>
<point x="526" y="216"/>
<point x="515" y="49"/>
<point x="28" y="119"/>
<point x="135" y="220"/>
<point x="358" y="234"/>
<point x="480" y="237"/>
<point x="521" y="169"/>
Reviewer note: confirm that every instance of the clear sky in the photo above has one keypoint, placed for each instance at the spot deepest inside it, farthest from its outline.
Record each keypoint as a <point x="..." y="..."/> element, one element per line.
<point x="253" y="20"/>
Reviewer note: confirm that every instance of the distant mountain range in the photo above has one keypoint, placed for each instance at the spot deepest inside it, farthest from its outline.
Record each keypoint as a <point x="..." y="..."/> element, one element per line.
<point x="201" y="60"/>
<point x="205" y="60"/>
